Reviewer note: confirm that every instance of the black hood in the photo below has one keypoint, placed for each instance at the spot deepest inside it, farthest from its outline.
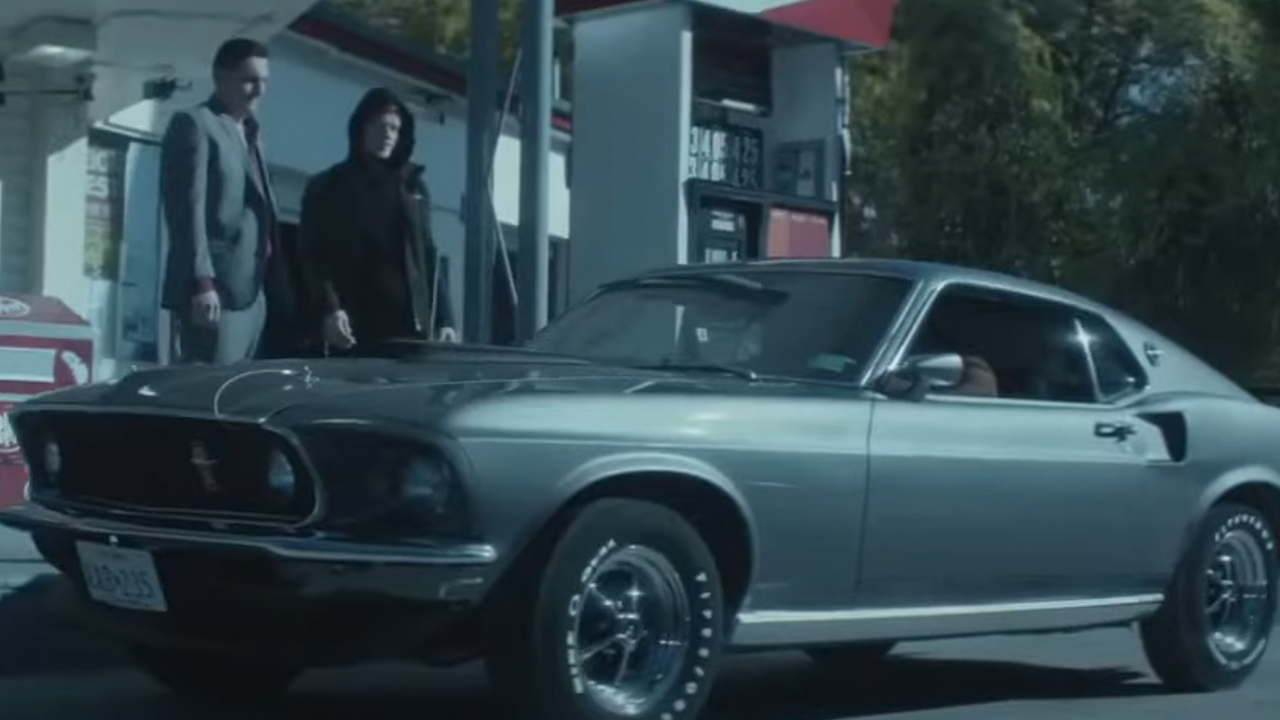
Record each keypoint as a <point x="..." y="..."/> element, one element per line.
<point x="373" y="103"/>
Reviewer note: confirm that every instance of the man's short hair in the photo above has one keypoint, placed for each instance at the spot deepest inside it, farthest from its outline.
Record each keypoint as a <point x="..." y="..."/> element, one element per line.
<point x="235" y="51"/>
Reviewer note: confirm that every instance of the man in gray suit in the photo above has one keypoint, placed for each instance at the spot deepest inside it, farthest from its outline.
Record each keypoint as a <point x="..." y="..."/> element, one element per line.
<point x="221" y="215"/>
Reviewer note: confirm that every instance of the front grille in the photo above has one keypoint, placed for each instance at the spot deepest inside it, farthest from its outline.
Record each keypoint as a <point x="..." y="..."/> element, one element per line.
<point x="163" y="464"/>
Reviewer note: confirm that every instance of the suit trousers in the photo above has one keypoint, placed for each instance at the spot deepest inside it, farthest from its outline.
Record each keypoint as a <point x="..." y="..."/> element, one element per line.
<point x="233" y="339"/>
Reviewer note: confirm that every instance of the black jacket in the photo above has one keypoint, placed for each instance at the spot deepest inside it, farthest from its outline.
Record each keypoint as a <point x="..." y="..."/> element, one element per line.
<point x="365" y="241"/>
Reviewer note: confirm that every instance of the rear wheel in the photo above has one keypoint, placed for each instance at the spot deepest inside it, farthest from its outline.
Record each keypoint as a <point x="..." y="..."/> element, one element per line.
<point x="1215" y="624"/>
<point x="625" y="620"/>
<point x="210" y="678"/>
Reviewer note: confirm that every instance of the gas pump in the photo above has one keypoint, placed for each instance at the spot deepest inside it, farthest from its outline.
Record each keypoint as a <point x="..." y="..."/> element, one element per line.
<point x="708" y="132"/>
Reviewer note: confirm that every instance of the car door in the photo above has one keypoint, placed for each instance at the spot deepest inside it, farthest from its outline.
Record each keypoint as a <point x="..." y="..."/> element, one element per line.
<point x="1028" y="495"/>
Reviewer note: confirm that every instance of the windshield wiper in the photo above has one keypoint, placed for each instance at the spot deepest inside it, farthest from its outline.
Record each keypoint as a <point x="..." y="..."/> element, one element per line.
<point x="738" y="372"/>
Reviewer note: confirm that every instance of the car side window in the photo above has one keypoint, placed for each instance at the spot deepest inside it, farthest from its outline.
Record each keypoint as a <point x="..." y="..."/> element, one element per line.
<point x="1117" y="368"/>
<point x="1015" y="346"/>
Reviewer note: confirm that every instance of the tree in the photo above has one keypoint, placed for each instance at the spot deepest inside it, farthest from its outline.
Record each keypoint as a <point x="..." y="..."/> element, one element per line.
<point x="444" y="25"/>
<point x="1126" y="148"/>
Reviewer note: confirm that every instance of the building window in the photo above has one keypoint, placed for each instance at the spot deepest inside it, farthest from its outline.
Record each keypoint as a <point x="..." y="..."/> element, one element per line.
<point x="123" y="251"/>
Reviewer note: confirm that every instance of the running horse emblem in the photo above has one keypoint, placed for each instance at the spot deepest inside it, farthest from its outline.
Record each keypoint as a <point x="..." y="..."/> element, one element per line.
<point x="204" y="465"/>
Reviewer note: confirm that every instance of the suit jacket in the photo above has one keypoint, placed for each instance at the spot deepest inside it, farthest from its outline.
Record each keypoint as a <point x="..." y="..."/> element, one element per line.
<point x="215" y="205"/>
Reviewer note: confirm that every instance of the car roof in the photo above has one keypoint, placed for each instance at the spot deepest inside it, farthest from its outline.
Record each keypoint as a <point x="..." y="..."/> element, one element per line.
<point x="929" y="273"/>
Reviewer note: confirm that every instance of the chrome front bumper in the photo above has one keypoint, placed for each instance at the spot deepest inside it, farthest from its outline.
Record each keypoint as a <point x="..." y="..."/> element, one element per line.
<point x="33" y="518"/>
<point x="323" y="599"/>
<point x="303" y="566"/>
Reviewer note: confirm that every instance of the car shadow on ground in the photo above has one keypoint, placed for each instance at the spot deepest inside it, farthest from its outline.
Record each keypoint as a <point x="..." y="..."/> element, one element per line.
<point x="34" y="641"/>
<point x="771" y="688"/>
<point x="799" y="690"/>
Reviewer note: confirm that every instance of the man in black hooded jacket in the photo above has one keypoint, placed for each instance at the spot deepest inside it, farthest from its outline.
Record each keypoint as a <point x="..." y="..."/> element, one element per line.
<point x="364" y="241"/>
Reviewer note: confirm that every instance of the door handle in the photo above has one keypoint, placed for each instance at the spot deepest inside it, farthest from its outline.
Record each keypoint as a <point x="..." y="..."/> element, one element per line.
<point x="1118" y="431"/>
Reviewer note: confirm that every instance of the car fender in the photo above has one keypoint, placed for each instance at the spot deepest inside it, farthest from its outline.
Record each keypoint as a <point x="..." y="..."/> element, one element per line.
<point x="1222" y="486"/>
<point x="601" y="469"/>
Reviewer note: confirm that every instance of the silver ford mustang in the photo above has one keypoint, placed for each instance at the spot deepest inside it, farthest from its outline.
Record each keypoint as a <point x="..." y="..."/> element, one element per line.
<point x="827" y="455"/>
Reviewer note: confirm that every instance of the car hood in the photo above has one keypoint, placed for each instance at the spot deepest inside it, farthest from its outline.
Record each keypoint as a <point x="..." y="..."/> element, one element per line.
<point x="258" y="390"/>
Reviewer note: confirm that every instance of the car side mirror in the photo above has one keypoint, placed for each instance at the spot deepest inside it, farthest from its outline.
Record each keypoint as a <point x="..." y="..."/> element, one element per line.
<point x="921" y="374"/>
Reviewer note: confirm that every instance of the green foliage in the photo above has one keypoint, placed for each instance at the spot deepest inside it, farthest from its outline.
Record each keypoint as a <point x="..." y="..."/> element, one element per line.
<point x="442" y="24"/>
<point x="1126" y="148"/>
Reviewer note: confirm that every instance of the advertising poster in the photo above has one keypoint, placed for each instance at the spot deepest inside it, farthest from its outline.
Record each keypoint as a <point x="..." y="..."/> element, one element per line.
<point x="104" y="211"/>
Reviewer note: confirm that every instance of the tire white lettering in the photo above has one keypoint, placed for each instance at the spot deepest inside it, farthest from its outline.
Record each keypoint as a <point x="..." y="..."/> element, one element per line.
<point x="1252" y="522"/>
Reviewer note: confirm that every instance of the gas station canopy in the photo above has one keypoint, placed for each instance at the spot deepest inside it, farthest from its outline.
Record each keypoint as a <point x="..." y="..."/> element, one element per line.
<point x="857" y="23"/>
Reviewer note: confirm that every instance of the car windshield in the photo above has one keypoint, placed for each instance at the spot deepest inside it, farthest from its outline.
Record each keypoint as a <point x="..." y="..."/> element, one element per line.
<point x="819" y="326"/>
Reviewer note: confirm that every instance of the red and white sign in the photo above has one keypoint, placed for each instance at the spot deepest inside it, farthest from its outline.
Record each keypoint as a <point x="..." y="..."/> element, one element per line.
<point x="798" y="234"/>
<point x="43" y="346"/>
<point x="858" y="22"/>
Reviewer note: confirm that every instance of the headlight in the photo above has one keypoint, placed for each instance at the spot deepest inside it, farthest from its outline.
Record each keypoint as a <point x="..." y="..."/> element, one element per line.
<point x="387" y="488"/>
<point x="425" y="500"/>
<point x="282" y="481"/>
<point x="426" y="485"/>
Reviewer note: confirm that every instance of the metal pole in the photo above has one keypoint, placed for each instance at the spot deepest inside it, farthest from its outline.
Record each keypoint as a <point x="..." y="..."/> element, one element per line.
<point x="535" y="146"/>
<point x="500" y="241"/>
<point x="482" y="92"/>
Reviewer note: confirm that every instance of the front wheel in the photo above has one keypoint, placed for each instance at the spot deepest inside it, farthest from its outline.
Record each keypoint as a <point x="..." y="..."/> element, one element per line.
<point x="215" y="679"/>
<point x="625" y="621"/>
<point x="1214" y="626"/>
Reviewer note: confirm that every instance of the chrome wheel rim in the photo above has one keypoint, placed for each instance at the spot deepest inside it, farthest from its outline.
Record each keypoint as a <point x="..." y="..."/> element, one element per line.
<point x="631" y="631"/>
<point x="1238" y="598"/>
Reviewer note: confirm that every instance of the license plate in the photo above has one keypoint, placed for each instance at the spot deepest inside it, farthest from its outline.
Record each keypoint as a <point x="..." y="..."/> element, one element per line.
<point x="122" y="577"/>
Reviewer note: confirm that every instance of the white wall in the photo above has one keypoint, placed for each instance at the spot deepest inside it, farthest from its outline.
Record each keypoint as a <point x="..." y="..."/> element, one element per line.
<point x="632" y="69"/>
<point x="16" y="129"/>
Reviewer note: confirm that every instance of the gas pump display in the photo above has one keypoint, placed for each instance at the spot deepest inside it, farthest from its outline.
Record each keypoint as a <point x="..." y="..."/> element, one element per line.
<point x="727" y="154"/>
<point x="722" y="235"/>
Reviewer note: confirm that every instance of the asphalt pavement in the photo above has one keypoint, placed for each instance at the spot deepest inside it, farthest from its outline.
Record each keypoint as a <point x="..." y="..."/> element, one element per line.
<point x="51" y="671"/>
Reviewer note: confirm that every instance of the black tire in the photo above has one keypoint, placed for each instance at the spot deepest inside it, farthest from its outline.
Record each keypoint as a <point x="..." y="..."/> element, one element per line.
<point x="215" y="679"/>
<point x="851" y="659"/>
<point x="535" y="659"/>
<point x="1179" y="638"/>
